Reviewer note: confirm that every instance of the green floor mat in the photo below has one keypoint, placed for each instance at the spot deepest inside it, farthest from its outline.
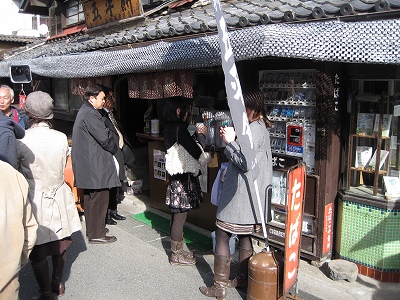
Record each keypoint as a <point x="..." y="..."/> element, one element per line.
<point x="192" y="238"/>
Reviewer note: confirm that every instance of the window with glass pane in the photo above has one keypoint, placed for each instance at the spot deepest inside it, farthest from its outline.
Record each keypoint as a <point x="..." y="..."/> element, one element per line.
<point x="75" y="102"/>
<point x="74" y="12"/>
<point x="60" y="93"/>
<point x="63" y="99"/>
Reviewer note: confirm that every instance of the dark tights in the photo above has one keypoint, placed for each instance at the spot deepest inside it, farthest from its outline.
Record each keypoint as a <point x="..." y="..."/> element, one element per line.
<point x="222" y="242"/>
<point x="177" y="222"/>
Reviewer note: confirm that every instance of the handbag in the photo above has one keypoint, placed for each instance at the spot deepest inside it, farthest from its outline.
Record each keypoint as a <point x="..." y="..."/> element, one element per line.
<point x="178" y="160"/>
<point x="218" y="184"/>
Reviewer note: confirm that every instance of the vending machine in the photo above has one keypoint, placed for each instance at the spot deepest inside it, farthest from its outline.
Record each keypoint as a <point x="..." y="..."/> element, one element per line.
<point x="291" y="101"/>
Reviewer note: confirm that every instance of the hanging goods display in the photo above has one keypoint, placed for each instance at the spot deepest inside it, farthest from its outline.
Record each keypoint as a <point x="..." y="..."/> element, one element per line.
<point x="21" y="98"/>
<point x="208" y="119"/>
<point x="222" y="118"/>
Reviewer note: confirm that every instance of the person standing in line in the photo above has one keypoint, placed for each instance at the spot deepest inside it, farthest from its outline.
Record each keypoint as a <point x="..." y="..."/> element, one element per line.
<point x="6" y="99"/>
<point x="42" y="158"/>
<point x="237" y="211"/>
<point x="110" y="121"/>
<point x="9" y="131"/>
<point x="127" y="149"/>
<point x="17" y="228"/>
<point x="183" y="190"/>
<point x="69" y="180"/>
<point x="93" y="163"/>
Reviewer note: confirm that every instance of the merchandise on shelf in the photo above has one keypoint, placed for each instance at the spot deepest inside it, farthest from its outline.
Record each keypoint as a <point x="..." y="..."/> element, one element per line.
<point x="290" y="100"/>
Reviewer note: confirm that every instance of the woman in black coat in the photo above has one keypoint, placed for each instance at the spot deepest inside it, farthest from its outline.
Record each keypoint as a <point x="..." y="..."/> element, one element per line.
<point x="183" y="191"/>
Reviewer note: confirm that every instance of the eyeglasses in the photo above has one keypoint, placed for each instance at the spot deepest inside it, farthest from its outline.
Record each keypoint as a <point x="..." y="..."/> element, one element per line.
<point x="4" y="97"/>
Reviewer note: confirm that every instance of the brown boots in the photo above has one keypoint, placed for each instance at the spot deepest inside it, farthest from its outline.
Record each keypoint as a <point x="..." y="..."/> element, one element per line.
<point x="241" y="278"/>
<point x="180" y="257"/>
<point x="222" y="266"/>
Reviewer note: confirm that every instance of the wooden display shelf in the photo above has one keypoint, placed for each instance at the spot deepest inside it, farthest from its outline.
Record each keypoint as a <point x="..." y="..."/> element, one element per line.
<point x="370" y="136"/>
<point x="380" y="172"/>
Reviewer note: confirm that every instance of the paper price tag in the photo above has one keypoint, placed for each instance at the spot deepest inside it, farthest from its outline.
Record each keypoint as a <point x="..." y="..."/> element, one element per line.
<point x="396" y="110"/>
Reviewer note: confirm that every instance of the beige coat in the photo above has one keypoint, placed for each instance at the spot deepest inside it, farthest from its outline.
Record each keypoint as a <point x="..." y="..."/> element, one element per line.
<point x="43" y="156"/>
<point x="17" y="224"/>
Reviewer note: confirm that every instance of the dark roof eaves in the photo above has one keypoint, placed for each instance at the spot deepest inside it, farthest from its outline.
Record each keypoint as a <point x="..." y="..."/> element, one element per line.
<point x="148" y="39"/>
<point x="107" y="39"/>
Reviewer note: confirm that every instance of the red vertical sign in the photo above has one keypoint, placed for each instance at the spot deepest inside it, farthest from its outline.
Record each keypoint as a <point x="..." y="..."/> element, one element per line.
<point x="328" y="229"/>
<point x="21" y="101"/>
<point x="295" y="192"/>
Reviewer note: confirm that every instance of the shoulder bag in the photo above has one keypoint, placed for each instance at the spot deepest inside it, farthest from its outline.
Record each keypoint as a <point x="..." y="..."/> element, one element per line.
<point x="179" y="161"/>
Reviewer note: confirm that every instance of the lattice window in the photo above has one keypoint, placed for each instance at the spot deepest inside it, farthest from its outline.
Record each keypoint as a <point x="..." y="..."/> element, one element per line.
<point x="74" y="12"/>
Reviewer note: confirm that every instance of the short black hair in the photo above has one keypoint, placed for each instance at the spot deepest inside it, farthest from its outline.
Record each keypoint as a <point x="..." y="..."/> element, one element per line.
<point x="104" y="88"/>
<point x="93" y="90"/>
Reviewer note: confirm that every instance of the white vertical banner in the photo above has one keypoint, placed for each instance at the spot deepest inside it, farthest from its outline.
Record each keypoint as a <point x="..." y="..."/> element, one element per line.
<point x="234" y="91"/>
<point x="236" y="105"/>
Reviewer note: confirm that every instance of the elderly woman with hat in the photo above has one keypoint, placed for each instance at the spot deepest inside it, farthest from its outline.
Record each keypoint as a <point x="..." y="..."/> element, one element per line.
<point x="42" y="159"/>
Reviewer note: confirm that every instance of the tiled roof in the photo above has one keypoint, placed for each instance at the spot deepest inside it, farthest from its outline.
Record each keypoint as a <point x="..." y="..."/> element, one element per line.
<point x="373" y="42"/>
<point x="19" y="39"/>
<point x="198" y="17"/>
<point x="331" y="30"/>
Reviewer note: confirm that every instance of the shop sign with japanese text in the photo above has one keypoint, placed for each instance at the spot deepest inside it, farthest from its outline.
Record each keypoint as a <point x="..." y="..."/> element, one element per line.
<point x="336" y="90"/>
<point x="295" y="190"/>
<point x="99" y="12"/>
<point x="328" y="229"/>
<point x="280" y="162"/>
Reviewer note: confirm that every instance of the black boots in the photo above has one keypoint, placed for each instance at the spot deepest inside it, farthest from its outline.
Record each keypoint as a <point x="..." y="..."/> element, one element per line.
<point x="57" y="285"/>
<point x="180" y="257"/>
<point x="242" y="271"/>
<point x="116" y="216"/>
<point x="222" y="266"/>
<point x="113" y="215"/>
<point x="41" y="271"/>
<point x="109" y="220"/>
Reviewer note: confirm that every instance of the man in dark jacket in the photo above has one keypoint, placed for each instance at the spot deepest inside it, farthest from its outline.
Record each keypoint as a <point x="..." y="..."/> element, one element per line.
<point x="93" y="163"/>
<point x="9" y="131"/>
<point x="6" y="109"/>
<point x="113" y="203"/>
<point x="124" y="155"/>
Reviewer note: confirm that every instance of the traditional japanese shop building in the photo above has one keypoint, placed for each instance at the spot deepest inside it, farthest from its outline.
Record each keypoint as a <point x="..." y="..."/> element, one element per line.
<point x="326" y="70"/>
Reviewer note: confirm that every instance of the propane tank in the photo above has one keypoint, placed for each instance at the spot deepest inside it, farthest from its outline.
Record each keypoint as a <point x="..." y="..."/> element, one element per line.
<point x="265" y="276"/>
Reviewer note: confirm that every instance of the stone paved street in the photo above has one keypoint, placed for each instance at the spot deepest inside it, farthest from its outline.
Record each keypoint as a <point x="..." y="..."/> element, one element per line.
<point x="136" y="267"/>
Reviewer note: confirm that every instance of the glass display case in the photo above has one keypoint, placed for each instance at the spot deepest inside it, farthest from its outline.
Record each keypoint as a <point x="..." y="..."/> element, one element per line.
<point x="290" y="101"/>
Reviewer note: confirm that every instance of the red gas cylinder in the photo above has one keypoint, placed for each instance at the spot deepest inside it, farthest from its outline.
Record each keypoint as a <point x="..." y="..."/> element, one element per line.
<point x="265" y="276"/>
